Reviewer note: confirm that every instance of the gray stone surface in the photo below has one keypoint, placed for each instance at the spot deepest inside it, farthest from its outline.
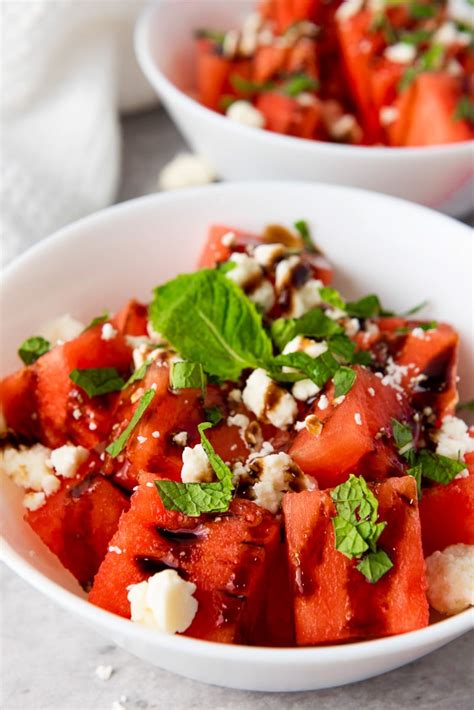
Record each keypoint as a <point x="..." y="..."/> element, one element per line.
<point x="48" y="658"/>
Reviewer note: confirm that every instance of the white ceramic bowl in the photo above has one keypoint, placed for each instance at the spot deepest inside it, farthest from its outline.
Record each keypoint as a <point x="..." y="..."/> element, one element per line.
<point x="440" y="176"/>
<point x="377" y="244"/>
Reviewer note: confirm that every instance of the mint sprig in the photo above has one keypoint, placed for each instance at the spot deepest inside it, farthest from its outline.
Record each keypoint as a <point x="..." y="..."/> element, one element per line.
<point x="302" y="228"/>
<point x="32" y="349"/>
<point x="98" y="320"/>
<point x="117" y="446"/>
<point x="193" y="499"/>
<point x="315" y="323"/>
<point x="356" y="528"/>
<point x="188" y="375"/>
<point x="138" y="375"/>
<point x="343" y="380"/>
<point x="96" y="381"/>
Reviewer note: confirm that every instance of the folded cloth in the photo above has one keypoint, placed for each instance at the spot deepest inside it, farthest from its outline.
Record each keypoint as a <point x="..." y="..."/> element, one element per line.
<point x="68" y="68"/>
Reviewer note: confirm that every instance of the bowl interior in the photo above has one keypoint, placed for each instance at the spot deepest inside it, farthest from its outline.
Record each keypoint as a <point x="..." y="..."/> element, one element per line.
<point x="378" y="244"/>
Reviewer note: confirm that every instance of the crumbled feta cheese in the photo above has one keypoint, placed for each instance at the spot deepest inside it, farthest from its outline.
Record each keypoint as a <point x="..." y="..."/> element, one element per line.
<point x="35" y="500"/>
<point x="305" y="298"/>
<point x="388" y="115"/>
<point x="104" y="672"/>
<point x="277" y="472"/>
<point x="284" y="271"/>
<point x="92" y="426"/>
<point x="67" y="459"/>
<point x="453" y="438"/>
<point x="50" y="484"/>
<point x="358" y="418"/>
<point x="450" y="578"/>
<point x="156" y="435"/>
<point x="250" y="29"/>
<point x="108" y="332"/>
<point x="76" y="413"/>
<point x="401" y="53"/>
<point x="323" y="402"/>
<point x="267" y="400"/>
<point x="461" y="11"/>
<point x="335" y="313"/>
<point x="235" y="395"/>
<point x="304" y="390"/>
<point x="27" y="467"/>
<point x="61" y="329"/>
<point x="306" y="99"/>
<point x="351" y="326"/>
<point x="394" y="375"/>
<point x="141" y="439"/>
<point x="448" y="35"/>
<point x="164" y="602"/>
<point x="243" y="112"/>
<point x="348" y="9"/>
<point x="343" y="126"/>
<point x="196" y="467"/>
<point x="114" y="548"/>
<point x="228" y="239"/>
<point x="241" y="421"/>
<point x="454" y="68"/>
<point x="371" y="391"/>
<point x="268" y="254"/>
<point x="263" y="295"/>
<point x="305" y="345"/>
<point x="462" y="474"/>
<point x="230" y="44"/>
<point x="299" y="426"/>
<point x="418" y="333"/>
<point x="246" y="270"/>
<point x="186" y="170"/>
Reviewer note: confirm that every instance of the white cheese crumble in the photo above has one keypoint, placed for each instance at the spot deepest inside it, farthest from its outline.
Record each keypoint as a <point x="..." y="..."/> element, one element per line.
<point x="388" y="115"/>
<point x="453" y="438"/>
<point x="245" y="270"/>
<point x="61" y="329"/>
<point x="268" y="254"/>
<point x="67" y="459"/>
<point x="304" y="390"/>
<point x="35" y="500"/>
<point x="156" y="434"/>
<point x="235" y="395"/>
<point x="461" y="11"/>
<point x="116" y="549"/>
<point x="164" y="602"/>
<point x="305" y="298"/>
<point x="352" y="327"/>
<point x="401" y="53"/>
<point x="277" y="472"/>
<point x="371" y="391"/>
<point x="348" y="9"/>
<point x="27" y="467"/>
<point x="284" y="271"/>
<point x="323" y="402"/>
<point x="104" y="672"/>
<point x="241" y="421"/>
<point x="263" y="295"/>
<point x="186" y="170"/>
<point x="228" y="239"/>
<point x="394" y="375"/>
<point x="244" y="113"/>
<point x="196" y="467"/>
<point x="108" y="332"/>
<point x="141" y="439"/>
<point x="267" y="400"/>
<point x="343" y="126"/>
<point x="448" y="35"/>
<point x="358" y="419"/>
<point x="305" y="345"/>
<point x="450" y="578"/>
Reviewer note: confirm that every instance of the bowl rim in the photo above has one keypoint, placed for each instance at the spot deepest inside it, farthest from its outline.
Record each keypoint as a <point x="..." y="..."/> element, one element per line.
<point x="167" y="88"/>
<point x="444" y="630"/>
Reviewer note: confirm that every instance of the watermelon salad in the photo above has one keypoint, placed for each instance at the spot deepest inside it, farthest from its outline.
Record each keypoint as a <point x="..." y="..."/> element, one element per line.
<point x="363" y="72"/>
<point x="251" y="458"/>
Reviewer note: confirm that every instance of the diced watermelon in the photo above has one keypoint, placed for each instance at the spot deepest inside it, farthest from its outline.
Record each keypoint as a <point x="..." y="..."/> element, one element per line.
<point x="18" y="403"/>
<point x="283" y="114"/>
<point x="447" y="515"/>
<point x="333" y="601"/>
<point x="286" y="12"/>
<point x="268" y="61"/>
<point x="344" y="446"/>
<point x="78" y="521"/>
<point x="132" y="319"/>
<point x="276" y="625"/>
<point x="215" y="252"/>
<point x="225" y="556"/>
<point x="212" y="74"/>
<point x="58" y="397"/>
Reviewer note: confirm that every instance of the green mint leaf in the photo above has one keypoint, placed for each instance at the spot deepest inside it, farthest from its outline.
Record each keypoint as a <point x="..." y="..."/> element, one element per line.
<point x="342" y="347"/>
<point x="416" y="37"/>
<point x="469" y="405"/>
<point x="332" y="297"/>
<point x="188" y="375"/>
<point x="299" y="83"/>
<point x="438" y="468"/>
<point x="97" y="380"/>
<point x="213" y="415"/>
<point x="196" y="498"/>
<point x="32" y="348"/>
<point x="222" y="471"/>
<point x="115" y="448"/>
<point x="213" y="35"/>
<point x="314" y="324"/>
<point x="98" y="320"/>
<point x="210" y="320"/>
<point x="430" y="60"/>
<point x="302" y="228"/>
<point x="366" y="307"/>
<point x="417" y="472"/>
<point x="362" y="357"/>
<point x="193" y="499"/>
<point x="464" y="110"/>
<point x="248" y="87"/>
<point x="403" y="436"/>
<point x="374" y="565"/>
<point x="431" y="325"/>
<point x="343" y="381"/>
<point x="349" y="541"/>
<point x="415" y="309"/>
<point x="319" y="369"/>
<point x="419" y="11"/>
<point x="355" y="501"/>
<point x="138" y="375"/>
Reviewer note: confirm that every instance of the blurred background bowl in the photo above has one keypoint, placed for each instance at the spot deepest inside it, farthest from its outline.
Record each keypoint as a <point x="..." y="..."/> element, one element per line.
<point x="438" y="176"/>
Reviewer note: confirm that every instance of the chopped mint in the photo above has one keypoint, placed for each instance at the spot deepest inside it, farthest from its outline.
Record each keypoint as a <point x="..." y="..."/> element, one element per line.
<point x="96" y="381"/>
<point x="117" y="446"/>
<point x="32" y="348"/>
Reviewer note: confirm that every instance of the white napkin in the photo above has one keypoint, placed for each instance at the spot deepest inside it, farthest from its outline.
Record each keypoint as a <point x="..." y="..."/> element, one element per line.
<point x="68" y="68"/>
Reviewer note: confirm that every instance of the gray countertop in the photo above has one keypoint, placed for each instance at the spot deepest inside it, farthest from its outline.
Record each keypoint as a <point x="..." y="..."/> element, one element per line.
<point x="48" y="659"/>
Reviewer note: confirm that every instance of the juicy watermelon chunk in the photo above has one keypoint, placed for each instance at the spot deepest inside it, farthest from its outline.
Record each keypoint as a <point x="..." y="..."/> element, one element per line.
<point x="18" y="403"/>
<point x="77" y="522"/>
<point x="447" y="515"/>
<point x="333" y="601"/>
<point x="225" y="556"/>
<point x="345" y="446"/>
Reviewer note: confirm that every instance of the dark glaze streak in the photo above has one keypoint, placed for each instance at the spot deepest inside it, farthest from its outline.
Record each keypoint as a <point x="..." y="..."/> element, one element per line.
<point x="310" y="556"/>
<point x="182" y="536"/>
<point x="151" y="565"/>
